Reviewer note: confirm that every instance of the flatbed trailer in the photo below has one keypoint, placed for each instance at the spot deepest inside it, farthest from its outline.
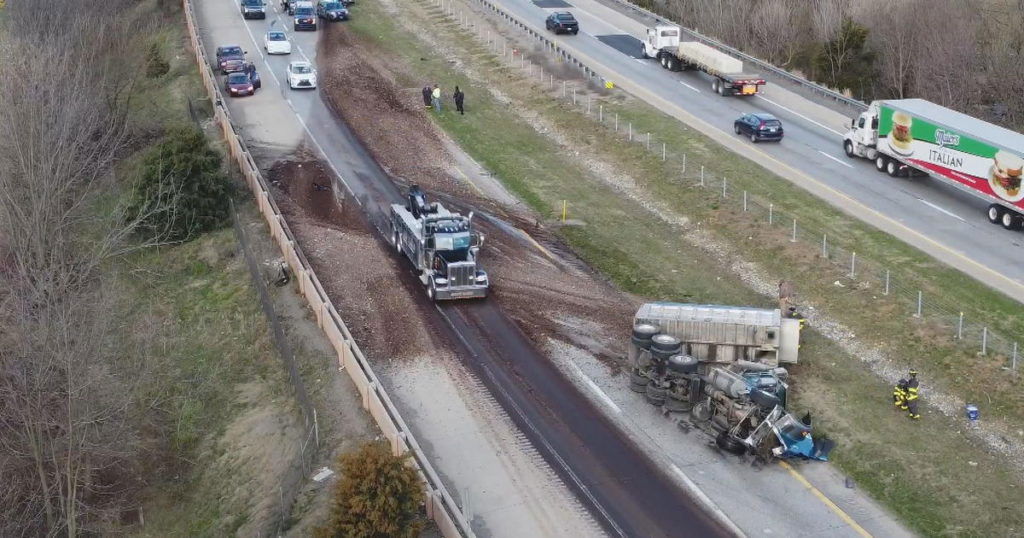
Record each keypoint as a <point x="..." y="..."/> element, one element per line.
<point x="663" y="44"/>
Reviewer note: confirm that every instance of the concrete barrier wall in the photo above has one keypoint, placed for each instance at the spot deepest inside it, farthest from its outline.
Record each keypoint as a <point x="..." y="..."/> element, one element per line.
<point x="440" y="505"/>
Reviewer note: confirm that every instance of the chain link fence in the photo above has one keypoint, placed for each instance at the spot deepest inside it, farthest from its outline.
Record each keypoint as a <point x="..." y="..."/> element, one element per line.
<point x="308" y="448"/>
<point x="901" y="286"/>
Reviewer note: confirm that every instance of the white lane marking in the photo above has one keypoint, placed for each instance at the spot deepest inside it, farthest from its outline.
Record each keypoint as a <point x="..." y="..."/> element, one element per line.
<point x="643" y="61"/>
<point x="791" y="111"/>
<point x="937" y="208"/>
<point x="846" y="164"/>
<point x="688" y="86"/>
<point x="597" y="390"/>
<point x="323" y="154"/>
<point x="692" y="487"/>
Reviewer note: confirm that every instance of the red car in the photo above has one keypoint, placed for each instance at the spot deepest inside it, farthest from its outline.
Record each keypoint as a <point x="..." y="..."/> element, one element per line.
<point x="244" y="82"/>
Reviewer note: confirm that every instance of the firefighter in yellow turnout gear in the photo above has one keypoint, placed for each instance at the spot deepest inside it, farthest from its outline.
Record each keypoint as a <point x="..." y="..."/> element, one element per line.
<point x="899" y="394"/>
<point x="912" y="395"/>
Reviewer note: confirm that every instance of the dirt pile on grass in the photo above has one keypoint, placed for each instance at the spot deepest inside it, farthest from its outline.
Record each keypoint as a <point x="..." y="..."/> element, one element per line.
<point x="388" y="119"/>
<point x="353" y="266"/>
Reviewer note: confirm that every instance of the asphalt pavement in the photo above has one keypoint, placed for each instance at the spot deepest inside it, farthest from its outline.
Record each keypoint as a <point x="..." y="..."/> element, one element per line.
<point x="621" y="484"/>
<point x="939" y="219"/>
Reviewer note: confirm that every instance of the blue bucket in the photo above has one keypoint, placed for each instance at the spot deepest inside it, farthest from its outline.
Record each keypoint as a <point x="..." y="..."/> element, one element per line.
<point x="972" y="412"/>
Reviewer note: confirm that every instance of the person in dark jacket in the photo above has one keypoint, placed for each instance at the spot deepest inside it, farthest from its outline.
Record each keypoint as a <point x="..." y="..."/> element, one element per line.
<point x="912" y="395"/>
<point x="426" y="96"/>
<point x="459" y="99"/>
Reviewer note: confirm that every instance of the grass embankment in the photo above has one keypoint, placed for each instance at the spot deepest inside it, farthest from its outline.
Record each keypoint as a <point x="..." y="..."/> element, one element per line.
<point x="195" y="305"/>
<point x="920" y="470"/>
<point x="193" y="309"/>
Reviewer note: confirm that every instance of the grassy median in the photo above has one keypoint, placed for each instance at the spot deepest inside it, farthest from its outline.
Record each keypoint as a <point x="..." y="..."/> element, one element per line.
<point x="928" y="472"/>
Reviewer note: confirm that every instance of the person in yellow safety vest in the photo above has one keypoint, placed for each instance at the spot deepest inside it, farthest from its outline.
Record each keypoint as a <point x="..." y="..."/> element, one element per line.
<point x="899" y="394"/>
<point x="912" y="395"/>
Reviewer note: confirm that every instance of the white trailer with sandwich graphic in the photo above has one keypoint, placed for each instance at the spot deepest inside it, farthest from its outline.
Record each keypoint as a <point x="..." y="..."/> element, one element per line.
<point x="917" y="137"/>
<point x="663" y="44"/>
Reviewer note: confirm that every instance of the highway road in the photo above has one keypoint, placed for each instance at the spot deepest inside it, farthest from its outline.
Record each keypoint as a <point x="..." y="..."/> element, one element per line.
<point x="946" y="223"/>
<point x="624" y="489"/>
<point x="630" y="489"/>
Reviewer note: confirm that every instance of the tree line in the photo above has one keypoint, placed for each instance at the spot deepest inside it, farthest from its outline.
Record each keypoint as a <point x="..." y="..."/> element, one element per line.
<point x="76" y="398"/>
<point x="964" y="54"/>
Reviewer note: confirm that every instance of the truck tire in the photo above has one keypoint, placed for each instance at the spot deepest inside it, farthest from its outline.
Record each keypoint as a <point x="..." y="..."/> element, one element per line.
<point x="714" y="85"/>
<point x="880" y="163"/>
<point x="893" y="168"/>
<point x="848" y="148"/>
<point x="700" y="413"/>
<point x="1010" y="220"/>
<point x="995" y="213"/>
<point x="395" y="239"/>
<point x="730" y="444"/>
<point x="431" y="292"/>
<point x="721" y="89"/>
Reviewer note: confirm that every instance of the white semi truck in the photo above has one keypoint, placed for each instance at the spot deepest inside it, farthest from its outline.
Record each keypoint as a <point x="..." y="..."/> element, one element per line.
<point x="441" y="245"/>
<point x="663" y="44"/>
<point x="914" y="136"/>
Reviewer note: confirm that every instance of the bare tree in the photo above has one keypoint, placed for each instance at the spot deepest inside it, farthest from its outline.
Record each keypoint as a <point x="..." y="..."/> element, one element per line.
<point x="768" y="37"/>
<point x="895" y="36"/>
<point x="65" y="391"/>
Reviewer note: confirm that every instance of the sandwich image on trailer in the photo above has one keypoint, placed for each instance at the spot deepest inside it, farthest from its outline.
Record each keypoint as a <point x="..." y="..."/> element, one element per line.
<point x="916" y="137"/>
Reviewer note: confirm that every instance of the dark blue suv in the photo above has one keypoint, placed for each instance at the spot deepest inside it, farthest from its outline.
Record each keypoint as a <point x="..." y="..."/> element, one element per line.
<point x="759" y="126"/>
<point x="304" y="17"/>
<point x="332" y="10"/>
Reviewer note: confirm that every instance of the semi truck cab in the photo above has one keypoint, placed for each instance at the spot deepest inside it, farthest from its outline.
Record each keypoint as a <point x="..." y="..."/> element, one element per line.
<point x="658" y="38"/>
<point x="862" y="138"/>
<point x="441" y="245"/>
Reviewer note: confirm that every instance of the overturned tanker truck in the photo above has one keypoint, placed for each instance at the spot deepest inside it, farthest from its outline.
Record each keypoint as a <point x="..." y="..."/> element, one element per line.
<point x="722" y="366"/>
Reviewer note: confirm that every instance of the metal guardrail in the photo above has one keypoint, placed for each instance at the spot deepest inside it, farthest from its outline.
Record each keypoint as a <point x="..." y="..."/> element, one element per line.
<point x="440" y="505"/>
<point x="761" y="64"/>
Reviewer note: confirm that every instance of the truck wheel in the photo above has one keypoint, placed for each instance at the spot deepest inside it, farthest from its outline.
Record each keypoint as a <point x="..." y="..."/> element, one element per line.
<point x="893" y="168"/>
<point x="848" y="148"/>
<point x="700" y="413"/>
<point x="431" y="292"/>
<point x="714" y="85"/>
<point x="721" y="89"/>
<point x="1010" y="220"/>
<point x="995" y="213"/>
<point x="730" y="444"/>
<point x="880" y="162"/>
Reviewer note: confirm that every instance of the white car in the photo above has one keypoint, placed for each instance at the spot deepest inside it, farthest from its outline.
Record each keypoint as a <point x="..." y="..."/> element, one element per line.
<point x="276" y="42"/>
<point x="301" y="75"/>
